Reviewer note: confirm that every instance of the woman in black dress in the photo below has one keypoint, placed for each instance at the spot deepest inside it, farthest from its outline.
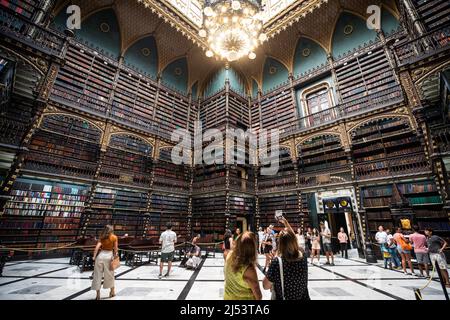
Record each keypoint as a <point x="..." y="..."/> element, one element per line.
<point x="288" y="273"/>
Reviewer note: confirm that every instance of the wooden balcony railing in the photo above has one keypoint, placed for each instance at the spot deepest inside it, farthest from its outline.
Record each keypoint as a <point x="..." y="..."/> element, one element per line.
<point x="407" y="52"/>
<point x="13" y="26"/>
<point x="210" y="184"/>
<point x="337" y="175"/>
<point x="11" y="132"/>
<point x="80" y="101"/>
<point x="169" y="184"/>
<point x="373" y="101"/>
<point x="243" y="185"/>
<point x="120" y="176"/>
<point x="48" y="163"/>
<point x="397" y="166"/>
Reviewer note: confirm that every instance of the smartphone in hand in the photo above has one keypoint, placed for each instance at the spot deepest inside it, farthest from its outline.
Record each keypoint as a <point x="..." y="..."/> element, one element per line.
<point x="278" y="215"/>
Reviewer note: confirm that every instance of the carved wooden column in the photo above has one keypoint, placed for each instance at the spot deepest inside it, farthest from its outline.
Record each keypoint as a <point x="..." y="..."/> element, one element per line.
<point x="413" y="17"/>
<point x="335" y="79"/>
<point x="155" y="105"/>
<point x="293" y="97"/>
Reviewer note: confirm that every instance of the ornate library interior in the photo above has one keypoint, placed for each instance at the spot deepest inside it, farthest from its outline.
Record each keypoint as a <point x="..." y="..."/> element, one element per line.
<point x="141" y="135"/>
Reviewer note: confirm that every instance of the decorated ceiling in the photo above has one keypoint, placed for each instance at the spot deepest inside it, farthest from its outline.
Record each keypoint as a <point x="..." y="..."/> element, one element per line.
<point x="160" y="37"/>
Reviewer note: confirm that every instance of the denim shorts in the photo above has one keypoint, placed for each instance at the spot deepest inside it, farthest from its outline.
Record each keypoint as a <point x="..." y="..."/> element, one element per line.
<point x="400" y="250"/>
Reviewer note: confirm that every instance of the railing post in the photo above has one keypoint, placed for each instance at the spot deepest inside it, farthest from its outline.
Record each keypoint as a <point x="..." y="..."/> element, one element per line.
<point x="413" y="17"/>
<point x="335" y="80"/>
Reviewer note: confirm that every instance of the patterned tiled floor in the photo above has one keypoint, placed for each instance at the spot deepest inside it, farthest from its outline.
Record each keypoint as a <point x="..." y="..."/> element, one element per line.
<point x="353" y="279"/>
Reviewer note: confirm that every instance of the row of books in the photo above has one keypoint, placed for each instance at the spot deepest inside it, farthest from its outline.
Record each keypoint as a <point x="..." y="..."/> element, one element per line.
<point x="70" y="126"/>
<point x="418" y="187"/>
<point x="73" y="213"/>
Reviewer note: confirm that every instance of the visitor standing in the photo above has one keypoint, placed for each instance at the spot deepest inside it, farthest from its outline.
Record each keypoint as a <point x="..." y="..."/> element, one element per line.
<point x="109" y="249"/>
<point x="167" y="240"/>
<point x="436" y="247"/>
<point x="392" y="249"/>
<point x="237" y="233"/>
<point x="227" y="243"/>
<point x="268" y="247"/>
<point x="301" y="240"/>
<point x="260" y="240"/>
<point x="419" y="242"/>
<point x="381" y="239"/>
<point x="343" y="241"/>
<point x="404" y="249"/>
<point x="288" y="273"/>
<point x="381" y="236"/>
<point x="326" y="240"/>
<point x="315" y="246"/>
<point x="308" y="242"/>
<point x="241" y="279"/>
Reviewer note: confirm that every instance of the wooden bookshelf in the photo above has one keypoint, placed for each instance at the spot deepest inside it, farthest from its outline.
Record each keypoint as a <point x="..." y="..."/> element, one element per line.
<point x="207" y="178"/>
<point x="122" y="208"/>
<point x="387" y="147"/>
<point x="25" y="8"/>
<point x="85" y="81"/>
<point x="241" y="206"/>
<point x="15" y="120"/>
<point x="277" y="110"/>
<point x="171" y="208"/>
<point x="289" y="203"/>
<point x="212" y="111"/>
<point x="128" y="160"/>
<point x="208" y="215"/>
<point x="238" y="111"/>
<point x="64" y="145"/>
<point x="364" y="75"/>
<point x="433" y="14"/>
<point x="42" y="213"/>
<point x="134" y="100"/>
<point x="422" y="197"/>
<point x="285" y="179"/>
<point x="321" y="153"/>
<point x="172" y="110"/>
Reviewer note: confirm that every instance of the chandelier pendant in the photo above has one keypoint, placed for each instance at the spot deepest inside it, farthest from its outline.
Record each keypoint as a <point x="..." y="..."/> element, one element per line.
<point x="232" y="28"/>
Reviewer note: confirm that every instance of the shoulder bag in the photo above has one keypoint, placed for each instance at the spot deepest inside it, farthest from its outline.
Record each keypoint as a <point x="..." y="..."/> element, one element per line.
<point x="280" y="261"/>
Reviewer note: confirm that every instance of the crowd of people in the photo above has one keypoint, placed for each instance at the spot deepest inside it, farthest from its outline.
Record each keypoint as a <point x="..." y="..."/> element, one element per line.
<point x="397" y="251"/>
<point x="286" y="257"/>
<point x="312" y="243"/>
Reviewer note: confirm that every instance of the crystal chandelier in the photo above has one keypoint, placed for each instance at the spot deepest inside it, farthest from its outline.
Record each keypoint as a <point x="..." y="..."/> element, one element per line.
<point x="232" y="28"/>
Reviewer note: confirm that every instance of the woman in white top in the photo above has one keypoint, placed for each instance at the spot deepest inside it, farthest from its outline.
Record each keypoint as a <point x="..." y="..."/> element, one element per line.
<point x="301" y="239"/>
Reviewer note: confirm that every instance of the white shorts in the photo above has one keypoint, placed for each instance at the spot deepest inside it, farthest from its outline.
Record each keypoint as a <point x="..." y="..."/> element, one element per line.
<point x="440" y="259"/>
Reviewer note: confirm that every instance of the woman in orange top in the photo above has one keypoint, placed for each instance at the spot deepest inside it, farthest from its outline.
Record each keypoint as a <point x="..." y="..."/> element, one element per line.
<point x="109" y="248"/>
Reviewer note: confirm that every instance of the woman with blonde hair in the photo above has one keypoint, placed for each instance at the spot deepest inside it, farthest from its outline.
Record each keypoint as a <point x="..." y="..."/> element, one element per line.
<point x="288" y="273"/>
<point x="109" y="249"/>
<point x="241" y="279"/>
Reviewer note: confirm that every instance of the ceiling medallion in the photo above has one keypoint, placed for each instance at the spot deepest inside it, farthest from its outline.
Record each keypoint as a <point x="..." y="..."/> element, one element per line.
<point x="348" y="29"/>
<point x="145" y="52"/>
<point x="104" y="27"/>
<point x="306" y="52"/>
<point x="178" y="71"/>
<point x="232" y="28"/>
